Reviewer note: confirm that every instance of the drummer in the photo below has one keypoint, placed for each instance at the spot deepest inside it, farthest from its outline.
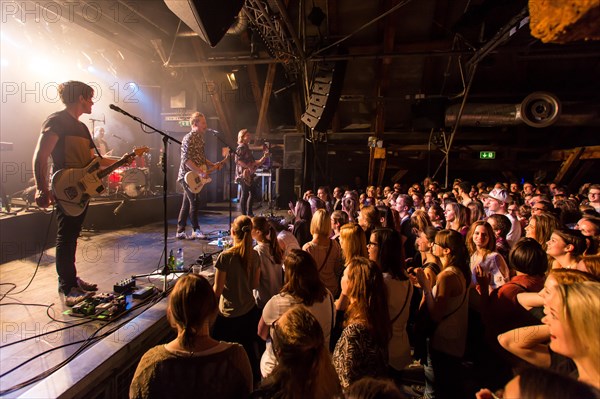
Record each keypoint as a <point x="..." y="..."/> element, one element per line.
<point x="101" y="144"/>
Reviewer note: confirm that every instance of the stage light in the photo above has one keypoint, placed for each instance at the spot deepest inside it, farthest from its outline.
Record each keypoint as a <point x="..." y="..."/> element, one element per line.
<point x="91" y="69"/>
<point x="232" y="80"/>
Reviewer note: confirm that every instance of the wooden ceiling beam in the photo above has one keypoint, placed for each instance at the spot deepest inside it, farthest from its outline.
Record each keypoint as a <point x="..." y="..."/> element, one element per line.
<point x="266" y="97"/>
<point x="220" y="107"/>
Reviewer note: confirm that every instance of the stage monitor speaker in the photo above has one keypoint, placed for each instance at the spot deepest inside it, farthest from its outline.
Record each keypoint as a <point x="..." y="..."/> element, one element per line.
<point x="210" y="19"/>
<point x="284" y="187"/>
<point x="325" y="93"/>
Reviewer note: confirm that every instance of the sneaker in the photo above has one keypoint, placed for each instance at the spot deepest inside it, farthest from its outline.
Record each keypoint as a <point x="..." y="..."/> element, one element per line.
<point x="75" y="296"/>
<point x="198" y="234"/>
<point x="85" y="286"/>
<point x="181" y="236"/>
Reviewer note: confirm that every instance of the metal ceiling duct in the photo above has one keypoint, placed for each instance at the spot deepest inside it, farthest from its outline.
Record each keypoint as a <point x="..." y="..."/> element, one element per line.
<point x="539" y="109"/>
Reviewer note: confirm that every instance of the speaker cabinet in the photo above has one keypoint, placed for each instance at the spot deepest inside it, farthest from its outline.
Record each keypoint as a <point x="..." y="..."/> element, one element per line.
<point x="284" y="187"/>
<point x="293" y="151"/>
<point x="325" y="93"/>
<point x="210" y="19"/>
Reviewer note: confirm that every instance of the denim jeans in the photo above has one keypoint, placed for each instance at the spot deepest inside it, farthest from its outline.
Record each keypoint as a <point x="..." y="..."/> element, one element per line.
<point x="247" y="198"/>
<point x="68" y="229"/>
<point x="189" y="207"/>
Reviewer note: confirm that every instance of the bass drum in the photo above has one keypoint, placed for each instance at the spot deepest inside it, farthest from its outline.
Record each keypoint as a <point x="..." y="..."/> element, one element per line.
<point x="134" y="182"/>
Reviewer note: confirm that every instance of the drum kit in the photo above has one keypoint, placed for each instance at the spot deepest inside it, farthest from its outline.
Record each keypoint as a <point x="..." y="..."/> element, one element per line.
<point x="132" y="180"/>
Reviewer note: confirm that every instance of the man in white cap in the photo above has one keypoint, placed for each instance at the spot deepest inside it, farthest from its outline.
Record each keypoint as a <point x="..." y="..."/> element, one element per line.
<point x="497" y="202"/>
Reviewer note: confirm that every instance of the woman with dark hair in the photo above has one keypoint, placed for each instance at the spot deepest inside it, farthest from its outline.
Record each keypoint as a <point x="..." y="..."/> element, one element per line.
<point x="436" y="215"/>
<point x="481" y="242"/>
<point x="193" y="364"/>
<point x="534" y="383"/>
<point x="529" y="262"/>
<point x="362" y="348"/>
<point x="302" y="218"/>
<point x="302" y="286"/>
<point x="237" y="274"/>
<point x="447" y="305"/>
<point x="304" y="369"/>
<point x="476" y="211"/>
<point x="383" y="250"/>
<point x="271" y="258"/>
<point x="566" y="247"/>
<point x="338" y="219"/>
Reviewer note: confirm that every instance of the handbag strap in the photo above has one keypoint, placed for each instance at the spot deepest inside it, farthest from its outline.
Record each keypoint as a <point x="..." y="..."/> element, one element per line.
<point x="459" y="306"/>
<point x="405" y="302"/>
<point x="326" y="256"/>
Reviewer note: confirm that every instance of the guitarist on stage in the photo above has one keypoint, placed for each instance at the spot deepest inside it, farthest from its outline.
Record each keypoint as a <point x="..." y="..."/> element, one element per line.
<point x="70" y="144"/>
<point x="193" y="159"/>
<point x="245" y="168"/>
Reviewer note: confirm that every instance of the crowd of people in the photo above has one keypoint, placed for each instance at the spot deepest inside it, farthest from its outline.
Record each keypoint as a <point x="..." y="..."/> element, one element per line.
<point x="494" y="290"/>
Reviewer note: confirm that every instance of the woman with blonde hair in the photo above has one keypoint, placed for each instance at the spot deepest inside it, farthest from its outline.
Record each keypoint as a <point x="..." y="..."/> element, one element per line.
<point x="352" y="241"/>
<point x="271" y="260"/>
<point x="572" y="317"/>
<point x="533" y="347"/>
<point x="362" y="348"/>
<point x="326" y="252"/>
<point x="220" y="369"/>
<point x="237" y="274"/>
<point x="304" y="369"/>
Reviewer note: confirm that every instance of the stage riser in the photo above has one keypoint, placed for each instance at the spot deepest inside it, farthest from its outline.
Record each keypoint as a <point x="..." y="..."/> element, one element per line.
<point x="24" y="235"/>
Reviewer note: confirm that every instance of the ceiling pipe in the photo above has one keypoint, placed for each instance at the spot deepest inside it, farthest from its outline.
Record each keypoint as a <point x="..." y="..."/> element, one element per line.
<point x="539" y="110"/>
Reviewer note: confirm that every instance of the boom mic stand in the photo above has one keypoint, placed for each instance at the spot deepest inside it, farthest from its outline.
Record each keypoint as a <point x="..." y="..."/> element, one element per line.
<point x="165" y="139"/>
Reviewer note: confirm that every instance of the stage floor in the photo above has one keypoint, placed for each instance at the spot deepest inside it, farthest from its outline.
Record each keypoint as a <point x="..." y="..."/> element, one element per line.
<point x="36" y="336"/>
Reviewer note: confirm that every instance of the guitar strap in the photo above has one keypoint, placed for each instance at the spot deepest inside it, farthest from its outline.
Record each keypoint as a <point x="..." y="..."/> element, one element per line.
<point x="94" y="144"/>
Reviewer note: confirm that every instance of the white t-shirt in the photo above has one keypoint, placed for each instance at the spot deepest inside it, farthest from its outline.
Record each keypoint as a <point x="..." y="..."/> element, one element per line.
<point x="271" y="275"/>
<point x="323" y="311"/>
<point x="515" y="231"/>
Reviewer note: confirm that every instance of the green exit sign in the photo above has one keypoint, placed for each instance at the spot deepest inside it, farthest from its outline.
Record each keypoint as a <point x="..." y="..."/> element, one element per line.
<point x="487" y="154"/>
<point x="184" y="123"/>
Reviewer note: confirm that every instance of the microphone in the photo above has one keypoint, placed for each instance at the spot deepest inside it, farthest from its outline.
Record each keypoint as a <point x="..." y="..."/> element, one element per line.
<point x="115" y="108"/>
<point x="213" y="131"/>
<point x="118" y="208"/>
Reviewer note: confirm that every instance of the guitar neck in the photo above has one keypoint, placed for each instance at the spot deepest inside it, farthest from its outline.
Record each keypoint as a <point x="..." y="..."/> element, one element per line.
<point x="107" y="171"/>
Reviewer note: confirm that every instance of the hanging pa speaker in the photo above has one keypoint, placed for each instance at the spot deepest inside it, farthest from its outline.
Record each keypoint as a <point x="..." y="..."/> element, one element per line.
<point x="325" y="93"/>
<point x="210" y="19"/>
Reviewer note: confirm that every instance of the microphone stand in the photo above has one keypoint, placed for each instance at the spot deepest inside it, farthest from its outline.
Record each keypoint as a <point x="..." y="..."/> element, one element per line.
<point x="231" y="155"/>
<point x="165" y="139"/>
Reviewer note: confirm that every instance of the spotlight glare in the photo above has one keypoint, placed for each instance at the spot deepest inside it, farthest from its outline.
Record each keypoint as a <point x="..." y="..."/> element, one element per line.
<point x="91" y="69"/>
<point x="4" y="62"/>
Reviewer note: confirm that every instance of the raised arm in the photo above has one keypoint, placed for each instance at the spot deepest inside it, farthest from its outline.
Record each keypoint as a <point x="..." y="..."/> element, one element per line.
<point x="528" y="343"/>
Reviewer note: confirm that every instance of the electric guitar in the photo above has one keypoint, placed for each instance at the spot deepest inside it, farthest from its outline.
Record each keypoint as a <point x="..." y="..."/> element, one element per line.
<point x="73" y="188"/>
<point x="196" y="181"/>
<point x="248" y="174"/>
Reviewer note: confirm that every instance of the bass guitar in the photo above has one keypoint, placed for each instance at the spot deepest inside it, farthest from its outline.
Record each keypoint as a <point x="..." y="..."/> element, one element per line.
<point x="196" y="181"/>
<point x="73" y="188"/>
